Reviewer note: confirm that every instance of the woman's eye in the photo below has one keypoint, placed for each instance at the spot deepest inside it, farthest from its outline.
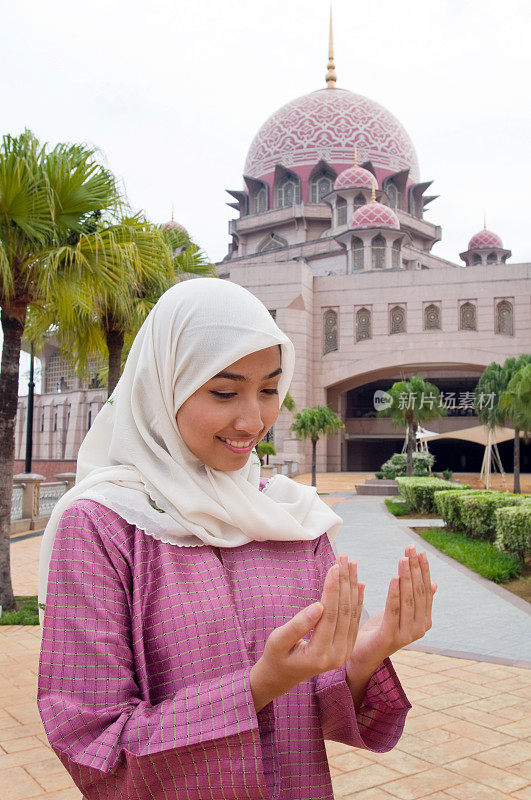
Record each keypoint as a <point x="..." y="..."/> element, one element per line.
<point x="222" y="394"/>
<point x="271" y="391"/>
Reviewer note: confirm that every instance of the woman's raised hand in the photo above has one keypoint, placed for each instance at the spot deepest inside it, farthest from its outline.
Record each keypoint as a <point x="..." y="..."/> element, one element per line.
<point x="406" y="616"/>
<point x="288" y="659"/>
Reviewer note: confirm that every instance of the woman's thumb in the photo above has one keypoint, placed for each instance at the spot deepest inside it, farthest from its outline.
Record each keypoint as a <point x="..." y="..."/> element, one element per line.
<point x="314" y="611"/>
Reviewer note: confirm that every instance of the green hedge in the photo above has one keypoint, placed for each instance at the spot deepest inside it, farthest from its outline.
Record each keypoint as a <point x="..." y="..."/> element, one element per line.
<point x="419" y="492"/>
<point x="513" y="530"/>
<point x="478" y="519"/>
<point x="397" y="464"/>
<point x="448" y="505"/>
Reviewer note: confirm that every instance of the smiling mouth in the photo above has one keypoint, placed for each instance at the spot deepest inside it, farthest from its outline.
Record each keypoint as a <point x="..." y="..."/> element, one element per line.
<point x="237" y="445"/>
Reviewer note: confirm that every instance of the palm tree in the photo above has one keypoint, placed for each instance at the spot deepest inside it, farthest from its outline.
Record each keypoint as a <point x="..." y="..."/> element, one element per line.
<point x="413" y="403"/>
<point x="95" y="323"/>
<point x="492" y="384"/>
<point x="515" y="402"/>
<point x="311" y="423"/>
<point x="47" y="198"/>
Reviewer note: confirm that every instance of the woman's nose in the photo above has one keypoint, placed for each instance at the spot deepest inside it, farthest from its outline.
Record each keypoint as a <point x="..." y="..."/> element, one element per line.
<point x="249" y="419"/>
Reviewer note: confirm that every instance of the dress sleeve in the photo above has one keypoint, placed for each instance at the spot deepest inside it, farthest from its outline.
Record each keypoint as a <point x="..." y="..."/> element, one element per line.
<point x="379" y="723"/>
<point x="113" y="743"/>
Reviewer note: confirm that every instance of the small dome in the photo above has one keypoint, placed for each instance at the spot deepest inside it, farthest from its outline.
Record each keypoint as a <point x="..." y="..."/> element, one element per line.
<point x="355" y="178"/>
<point x="173" y="224"/>
<point x="485" y="240"/>
<point x="374" y="215"/>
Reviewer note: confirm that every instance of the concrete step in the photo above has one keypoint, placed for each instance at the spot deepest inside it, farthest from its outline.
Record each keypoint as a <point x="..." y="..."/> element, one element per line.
<point x="376" y="490"/>
<point x="382" y="481"/>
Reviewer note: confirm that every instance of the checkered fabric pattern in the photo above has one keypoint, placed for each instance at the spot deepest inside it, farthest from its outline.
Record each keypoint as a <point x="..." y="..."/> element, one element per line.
<point x="143" y="685"/>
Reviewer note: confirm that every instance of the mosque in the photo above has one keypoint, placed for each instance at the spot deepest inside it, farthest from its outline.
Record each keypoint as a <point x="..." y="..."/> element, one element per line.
<point x="331" y="237"/>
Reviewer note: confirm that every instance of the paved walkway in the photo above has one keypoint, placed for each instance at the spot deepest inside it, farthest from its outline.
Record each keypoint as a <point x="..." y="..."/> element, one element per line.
<point x="467" y="736"/>
<point x="471" y="616"/>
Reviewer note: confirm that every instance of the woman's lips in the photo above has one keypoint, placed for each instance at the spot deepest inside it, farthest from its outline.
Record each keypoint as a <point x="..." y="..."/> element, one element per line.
<point x="236" y="449"/>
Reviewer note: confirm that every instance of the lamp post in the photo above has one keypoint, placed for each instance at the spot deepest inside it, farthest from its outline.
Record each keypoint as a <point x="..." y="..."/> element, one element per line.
<point x="29" y="420"/>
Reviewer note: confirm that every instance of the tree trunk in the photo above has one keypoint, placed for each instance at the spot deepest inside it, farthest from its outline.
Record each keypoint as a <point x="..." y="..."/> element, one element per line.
<point x="115" y="344"/>
<point x="314" y="462"/>
<point x="516" y="461"/>
<point x="12" y="329"/>
<point x="411" y="441"/>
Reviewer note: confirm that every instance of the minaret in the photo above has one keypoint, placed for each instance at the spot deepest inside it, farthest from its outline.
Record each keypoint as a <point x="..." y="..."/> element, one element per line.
<point x="331" y="76"/>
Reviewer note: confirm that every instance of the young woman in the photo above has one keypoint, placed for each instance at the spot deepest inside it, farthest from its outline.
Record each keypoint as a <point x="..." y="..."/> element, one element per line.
<point x="199" y="640"/>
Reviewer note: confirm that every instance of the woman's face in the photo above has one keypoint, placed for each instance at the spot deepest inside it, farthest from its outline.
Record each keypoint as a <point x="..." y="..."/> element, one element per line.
<point x="227" y="416"/>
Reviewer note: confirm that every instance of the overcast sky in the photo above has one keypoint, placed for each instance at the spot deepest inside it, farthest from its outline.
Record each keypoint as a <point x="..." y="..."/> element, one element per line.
<point x="173" y="93"/>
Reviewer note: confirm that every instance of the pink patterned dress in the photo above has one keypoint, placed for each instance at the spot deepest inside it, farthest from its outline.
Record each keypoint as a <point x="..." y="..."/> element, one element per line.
<point x="143" y="684"/>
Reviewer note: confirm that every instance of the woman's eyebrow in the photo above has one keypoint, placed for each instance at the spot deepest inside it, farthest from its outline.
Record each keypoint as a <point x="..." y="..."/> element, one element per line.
<point x="233" y="376"/>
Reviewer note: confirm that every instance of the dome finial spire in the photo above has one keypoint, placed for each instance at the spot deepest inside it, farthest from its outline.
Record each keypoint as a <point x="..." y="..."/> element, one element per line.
<point x="355" y="155"/>
<point x="484" y="220"/>
<point x="331" y="76"/>
<point x="172" y="213"/>
<point x="373" y="199"/>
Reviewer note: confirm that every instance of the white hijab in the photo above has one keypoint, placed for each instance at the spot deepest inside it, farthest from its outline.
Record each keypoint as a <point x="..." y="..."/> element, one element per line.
<point x="134" y="460"/>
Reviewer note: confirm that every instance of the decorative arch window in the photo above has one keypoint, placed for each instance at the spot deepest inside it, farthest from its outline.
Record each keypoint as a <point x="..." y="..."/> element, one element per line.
<point x="341" y="206"/>
<point x="273" y="313"/>
<point x="363" y="324"/>
<point x="260" y="201"/>
<point x="357" y="254"/>
<point x="467" y="317"/>
<point x="89" y="420"/>
<point x="504" y="318"/>
<point x="289" y="191"/>
<point x="329" y="331"/>
<point x="397" y="320"/>
<point x="322" y="185"/>
<point x="432" y="317"/>
<point x="271" y="242"/>
<point x="395" y="254"/>
<point x="42" y="421"/>
<point x="359" y="201"/>
<point x="476" y="258"/>
<point x="392" y="193"/>
<point x="492" y="258"/>
<point x="378" y="252"/>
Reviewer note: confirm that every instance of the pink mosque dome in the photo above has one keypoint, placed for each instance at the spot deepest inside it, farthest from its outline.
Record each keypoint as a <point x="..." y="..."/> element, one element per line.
<point x="327" y="125"/>
<point x="374" y="215"/>
<point x="355" y="178"/>
<point x="485" y="240"/>
<point x="173" y="224"/>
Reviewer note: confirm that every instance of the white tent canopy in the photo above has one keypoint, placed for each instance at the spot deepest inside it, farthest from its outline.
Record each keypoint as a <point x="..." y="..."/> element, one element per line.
<point x="478" y="434"/>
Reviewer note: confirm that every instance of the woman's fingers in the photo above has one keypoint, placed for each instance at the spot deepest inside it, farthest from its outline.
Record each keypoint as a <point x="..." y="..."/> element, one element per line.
<point x="323" y="635"/>
<point x="430" y="587"/>
<point x="356" y="602"/>
<point x="407" y="603"/>
<point x="345" y="610"/>
<point x="419" y="614"/>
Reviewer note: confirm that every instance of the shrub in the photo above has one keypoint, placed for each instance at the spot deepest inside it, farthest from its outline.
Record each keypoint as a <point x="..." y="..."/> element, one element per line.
<point x="447" y="503"/>
<point x="265" y="449"/>
<point x="379" y="474"/>
<point x="478" y="519"/>
<point x="513" y="530"/>
<point x="447" y="473"/>
<point x="419" y="492"/>
<point x="397" y="464"/>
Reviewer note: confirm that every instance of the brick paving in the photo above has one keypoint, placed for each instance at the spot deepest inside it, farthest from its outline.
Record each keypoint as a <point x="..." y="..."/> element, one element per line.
<point x="467" y="737"/>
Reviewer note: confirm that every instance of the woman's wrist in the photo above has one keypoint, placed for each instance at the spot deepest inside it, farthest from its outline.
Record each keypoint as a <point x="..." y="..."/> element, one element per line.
<point x="358" y="674"/>
<point x="262" y="689"/>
